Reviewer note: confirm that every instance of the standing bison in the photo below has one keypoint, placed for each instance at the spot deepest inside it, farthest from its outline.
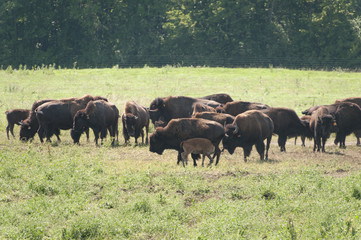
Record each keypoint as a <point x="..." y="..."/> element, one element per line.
<point x="172" y="107"/>
<point x="134" y="119"/>
<point x="286" y="124"/>
<point x="248" y="129"/>
<point x="321" y="123"/>
<point x="15" y="116"/>
<point x="178" y="130"/>
<point x="221" y="118"/>
<point x="237" y="107"/>
<point x="98" y="115"/>
<point x="222" y="98"/>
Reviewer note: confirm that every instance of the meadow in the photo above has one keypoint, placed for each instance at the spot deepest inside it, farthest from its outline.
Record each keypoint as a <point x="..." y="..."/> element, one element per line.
<point x="60" y="190"/>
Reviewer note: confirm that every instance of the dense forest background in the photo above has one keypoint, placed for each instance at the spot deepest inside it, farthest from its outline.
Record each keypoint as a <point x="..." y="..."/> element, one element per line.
<point x="230" y="33"/>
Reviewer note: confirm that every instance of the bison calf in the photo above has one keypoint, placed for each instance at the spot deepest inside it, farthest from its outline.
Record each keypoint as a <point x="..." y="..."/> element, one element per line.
<point x="197" y="146"/>
<point x="15" y="116"/>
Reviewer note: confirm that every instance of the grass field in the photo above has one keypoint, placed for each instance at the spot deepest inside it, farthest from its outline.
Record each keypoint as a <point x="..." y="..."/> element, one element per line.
<point x="61" y="191"/>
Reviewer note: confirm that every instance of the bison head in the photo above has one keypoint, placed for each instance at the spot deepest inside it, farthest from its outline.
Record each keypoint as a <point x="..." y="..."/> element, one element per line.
<point x="27" y="130"/>
<point x="160" y="123"/>
<point x="80" y="124"/>
<point x="156" y="143"/>
<point x="327" y="123"/>
<point x="232" y="138"/>
<point x="130" y="122"/>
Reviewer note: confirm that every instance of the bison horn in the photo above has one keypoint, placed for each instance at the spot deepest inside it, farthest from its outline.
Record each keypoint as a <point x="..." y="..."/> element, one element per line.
<point x="236" y="129"/>
<point x="21" y="123"/>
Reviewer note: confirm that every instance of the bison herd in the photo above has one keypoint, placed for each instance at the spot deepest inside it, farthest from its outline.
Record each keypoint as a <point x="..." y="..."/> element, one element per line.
<point x="190" y="125"/>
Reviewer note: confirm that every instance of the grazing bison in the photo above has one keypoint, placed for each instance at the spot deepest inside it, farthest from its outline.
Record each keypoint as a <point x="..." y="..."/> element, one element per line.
<point x="30" y="126"/>
<point x="197" y="146"/>
<point x="98" y="115"/>
<point x="321" y="123"/>
<point x="222" y="98"/>
<point x="236" y="107"/>
<point x="348" y="120"/>
<point x="248" y="129"/>
<point x="166" y="109"/>
<point x="178" y="130"/>
<point x="356" y="100"/>
<point x="15" y="116"/>
<point x="134" y="119"/>
<point x="221" y="118"/>
<point x="286" y="124"/>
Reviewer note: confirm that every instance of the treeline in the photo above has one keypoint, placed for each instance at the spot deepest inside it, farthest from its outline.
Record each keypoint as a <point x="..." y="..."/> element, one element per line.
<point x="231" y="33"/>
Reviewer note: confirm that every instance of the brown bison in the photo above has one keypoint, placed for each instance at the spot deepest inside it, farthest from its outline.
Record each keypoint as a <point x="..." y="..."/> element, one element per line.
<point x="98" y="115"/>
<point x="15" y="116"/>
<point x="222" y="98"/>
<point x="200" y="107"/>
<point x="348" y="120"/>
<point x="30" y="126"/>
<point x="221" y="118"/>
<point x="305" y="119"/>
<point x="178" y="130"/>
<point x="134" y="119"/>
<point x="236" y="107"/>
<point x="356" y="100"/>
<point x="321" y="124"/>
<point x="166" y="109"/>
<point x="197" y="146"/>
<point x="248" y="129"/>
<point x="286" y="124"/>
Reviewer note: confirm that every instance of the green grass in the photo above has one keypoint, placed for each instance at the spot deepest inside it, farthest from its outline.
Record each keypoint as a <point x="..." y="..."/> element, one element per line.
<point x="62" y="191"/>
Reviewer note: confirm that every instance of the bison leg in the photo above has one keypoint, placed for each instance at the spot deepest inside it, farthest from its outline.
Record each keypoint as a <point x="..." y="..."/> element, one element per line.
<point x="282" y="142"/>
<point x="217" y="153"/>
<point x="268" y="145"/>
<point x="96" y="135"/>
<point x="210" y="160"/>
<point x="260" y="149"/>
<point x="323" y="143"/>
<point x="303" y="138"/>
<point x="103" y="134"/>
<point x="41" y="132"/>
<point x="142" y="133"/>
<point x="184" y="158"/>
<point x="246" y="152"/>
<point x="146" y="132"/>
<point x="195" y="157"/>
<point x="358" y="141"/>
<point x="10" y="128"/>
<point x="87" y="134"/>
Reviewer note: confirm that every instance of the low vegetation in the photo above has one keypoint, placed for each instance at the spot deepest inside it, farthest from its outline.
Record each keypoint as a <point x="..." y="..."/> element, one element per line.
<point x="60" y="190"/>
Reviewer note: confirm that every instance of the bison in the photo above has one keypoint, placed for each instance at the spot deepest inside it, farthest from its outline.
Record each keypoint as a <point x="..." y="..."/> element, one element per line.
<point x="222" y="98"/>
<point x="178" y="130"/>
<point x="200" y="107"/>
<point x="356" y="100"/>
<point x="348" y="120"/>
<point x="15" y="116"/>
<point x="286" y="124"/>
<point x="134" y="119"/>
<point x="321" y="124"/>
<point x="98" y="115"/>
<point x="305" y="119"/>
<point x="171" y="107"/>
<point x="236" y="107"/>
<point x="30" y="125"/>
<point x="248" y="129"/>
<point x="221" y="118"/>
<point x="197" y="146"/>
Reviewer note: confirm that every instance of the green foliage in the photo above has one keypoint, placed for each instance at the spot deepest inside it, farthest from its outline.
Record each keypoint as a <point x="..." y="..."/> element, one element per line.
<point x="74" y="33"/>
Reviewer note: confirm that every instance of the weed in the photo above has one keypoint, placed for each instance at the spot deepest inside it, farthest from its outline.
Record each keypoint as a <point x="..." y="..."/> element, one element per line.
<point x="268" y="195"/>
<point x="356" y="193"/>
